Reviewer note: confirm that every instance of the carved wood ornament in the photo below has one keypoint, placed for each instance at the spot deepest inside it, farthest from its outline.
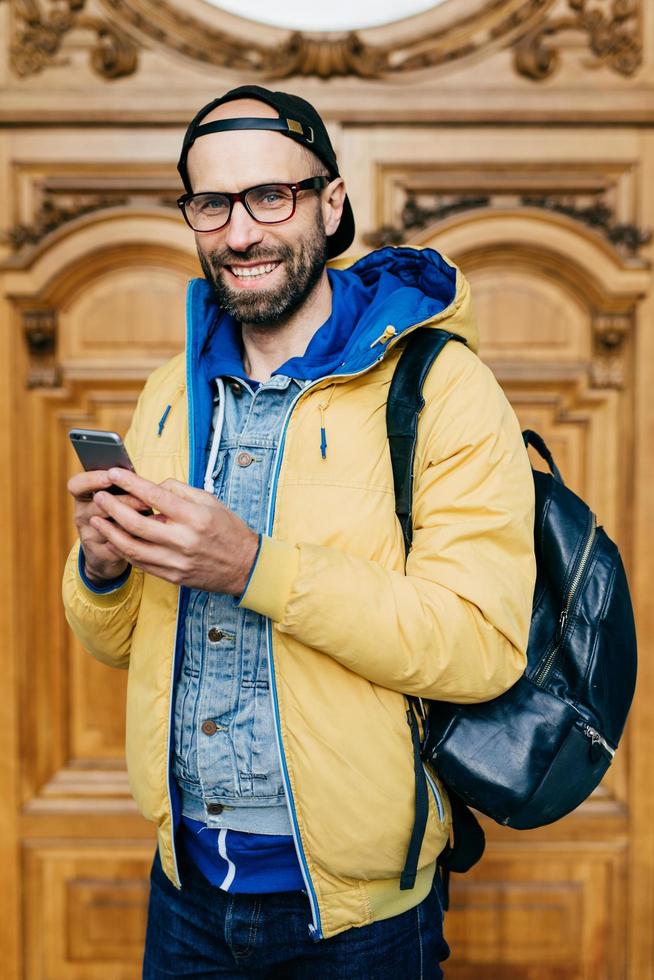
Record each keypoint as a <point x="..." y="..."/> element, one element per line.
<point x="40" y="331"/>
<point x="626" y="238"/>
<point x="610" y="28"/>
<point x="41" y="28"/>
<point x="52" y="215"/>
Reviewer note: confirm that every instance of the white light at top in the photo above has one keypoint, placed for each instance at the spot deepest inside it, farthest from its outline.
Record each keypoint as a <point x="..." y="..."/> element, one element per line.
<point x="334" y="15"/>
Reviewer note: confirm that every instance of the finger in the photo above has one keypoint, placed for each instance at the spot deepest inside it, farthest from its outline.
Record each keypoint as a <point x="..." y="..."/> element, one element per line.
<point x="153" y="494"/>
<point x="83" y="485"/>
<point x="135" y="550"/>
<point x="94" y="544"/>
<point x="125" y="498"/>
<point x="136" y="524"/>
<point x="186" y="492"/>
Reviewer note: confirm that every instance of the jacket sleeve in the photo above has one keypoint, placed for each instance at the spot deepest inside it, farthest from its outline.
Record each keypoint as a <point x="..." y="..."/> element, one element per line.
<point x="455" y="625"/>
<point x="104" y="621"/>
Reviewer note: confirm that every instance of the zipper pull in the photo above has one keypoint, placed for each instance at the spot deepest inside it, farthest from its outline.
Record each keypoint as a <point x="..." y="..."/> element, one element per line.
<point x="597" y="743"/>
<point x="389" y="332"/>
<point x="595" y="750"/>
<point x="162" y="420"/>
<point x="323" y="432"/>
<point x="563" y="619"/>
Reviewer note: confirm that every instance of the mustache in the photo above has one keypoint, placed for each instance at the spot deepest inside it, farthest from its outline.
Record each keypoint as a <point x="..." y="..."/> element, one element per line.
<point x="228" y="257"/>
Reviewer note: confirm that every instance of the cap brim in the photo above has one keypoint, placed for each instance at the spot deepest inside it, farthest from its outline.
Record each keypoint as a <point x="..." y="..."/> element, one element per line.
<point x="344" y="234"/>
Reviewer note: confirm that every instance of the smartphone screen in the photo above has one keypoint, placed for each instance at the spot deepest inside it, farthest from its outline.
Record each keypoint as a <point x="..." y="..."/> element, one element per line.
<point x="99" y="450"/>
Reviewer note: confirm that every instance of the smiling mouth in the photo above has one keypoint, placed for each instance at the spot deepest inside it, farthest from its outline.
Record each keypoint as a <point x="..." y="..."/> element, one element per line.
<point x="252" y="273"/>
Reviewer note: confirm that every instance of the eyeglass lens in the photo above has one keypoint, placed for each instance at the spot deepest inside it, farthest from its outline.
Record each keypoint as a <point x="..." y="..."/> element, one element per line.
<point x="268" y="203"/>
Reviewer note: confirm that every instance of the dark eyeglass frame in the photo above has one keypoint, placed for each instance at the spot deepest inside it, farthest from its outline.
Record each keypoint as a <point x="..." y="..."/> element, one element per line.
<point x="310" y="183"/>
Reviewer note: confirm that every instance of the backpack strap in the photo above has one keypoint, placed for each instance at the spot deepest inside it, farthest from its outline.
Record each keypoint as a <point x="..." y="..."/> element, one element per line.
<point x="404" y="404"/>
<point x="403" y="407"/>
<point x="532" y="438"/>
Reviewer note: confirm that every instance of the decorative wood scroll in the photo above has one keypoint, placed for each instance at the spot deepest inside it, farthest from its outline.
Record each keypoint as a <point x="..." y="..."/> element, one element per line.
<point x="40" y="330"/>
<point x="610" y="334"/>
<point x="613" y="32"/>
<point x="597" y="214"/>
<point x="52" y="215"/>
<point x="46" y="202"/>
<point x="40" y="33"/>
<point x="611" y="28"/>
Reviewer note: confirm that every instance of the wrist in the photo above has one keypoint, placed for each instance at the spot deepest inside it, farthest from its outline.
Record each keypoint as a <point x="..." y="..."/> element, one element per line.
<point x="97" y="579"/>
<point x="249" y="558"/>
<point x="100" y="577"/>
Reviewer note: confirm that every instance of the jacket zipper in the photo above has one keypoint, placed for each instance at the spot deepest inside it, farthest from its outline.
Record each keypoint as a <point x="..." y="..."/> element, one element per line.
<point x="315" y="928"/>
<point x="546" y="669"/>
<point x="171" y="700"/>
<point x="170" y="738"/>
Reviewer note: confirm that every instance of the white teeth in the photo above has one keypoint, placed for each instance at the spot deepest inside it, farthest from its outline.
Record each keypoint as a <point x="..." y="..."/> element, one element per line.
<point x="253" y="271"/>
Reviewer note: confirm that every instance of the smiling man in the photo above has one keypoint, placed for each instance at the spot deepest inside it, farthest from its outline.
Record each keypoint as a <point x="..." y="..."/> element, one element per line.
<point x="271" y="627"/>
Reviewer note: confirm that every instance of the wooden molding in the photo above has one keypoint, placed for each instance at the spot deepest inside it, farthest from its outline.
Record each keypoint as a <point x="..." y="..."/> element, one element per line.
<point x="40" y="331"/>
<point x="41" y="26"/>
<point x="591" y="210"/>
<point x="613" y="32"/>
<point x="610" y="28"/>
<point x="51" y="215"/>
<point x="611" y="331"/>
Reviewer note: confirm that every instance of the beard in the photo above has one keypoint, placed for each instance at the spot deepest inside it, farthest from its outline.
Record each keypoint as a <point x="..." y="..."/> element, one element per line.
<point x="304" y="264"/>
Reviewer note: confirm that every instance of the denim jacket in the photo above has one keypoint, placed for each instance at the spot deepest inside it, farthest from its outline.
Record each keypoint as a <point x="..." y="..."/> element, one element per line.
<point x="226" y="759"/>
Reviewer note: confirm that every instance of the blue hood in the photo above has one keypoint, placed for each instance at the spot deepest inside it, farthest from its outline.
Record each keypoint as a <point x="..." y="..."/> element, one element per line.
<point x="398" y="286"/>
<point x="391" y="286"/>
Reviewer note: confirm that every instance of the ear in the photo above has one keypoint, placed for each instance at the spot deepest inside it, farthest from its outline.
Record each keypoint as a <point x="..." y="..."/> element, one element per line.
<point x="332" y="201"/>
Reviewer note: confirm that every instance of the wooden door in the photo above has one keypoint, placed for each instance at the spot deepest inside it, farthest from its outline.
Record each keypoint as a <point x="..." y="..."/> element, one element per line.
<point x="515" y="136"/>
<point x="91" y="315"/>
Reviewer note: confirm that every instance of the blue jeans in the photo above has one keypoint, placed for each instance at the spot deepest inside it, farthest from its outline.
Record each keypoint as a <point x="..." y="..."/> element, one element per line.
<point x="203" y="933"/>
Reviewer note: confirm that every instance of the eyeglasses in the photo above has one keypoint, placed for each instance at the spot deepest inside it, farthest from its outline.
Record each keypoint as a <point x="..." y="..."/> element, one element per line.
<point x="268" y="204"/>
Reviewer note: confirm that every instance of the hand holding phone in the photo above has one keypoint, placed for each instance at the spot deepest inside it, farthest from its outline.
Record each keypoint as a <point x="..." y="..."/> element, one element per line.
<point x="98" y="450"/>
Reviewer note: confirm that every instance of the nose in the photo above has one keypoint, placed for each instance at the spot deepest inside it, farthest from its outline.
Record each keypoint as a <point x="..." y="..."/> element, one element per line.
<point x="242" y="230"/>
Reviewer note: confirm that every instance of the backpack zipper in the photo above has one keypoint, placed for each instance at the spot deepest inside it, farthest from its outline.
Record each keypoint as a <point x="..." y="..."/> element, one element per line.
<point x="565" y="612"/>
<point x="596" y="739"/>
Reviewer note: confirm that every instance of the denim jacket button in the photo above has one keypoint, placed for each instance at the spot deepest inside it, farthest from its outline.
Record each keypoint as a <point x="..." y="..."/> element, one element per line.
<point x="209" y="727"/>
<point x="244" y="459"/>
<point x="215" y="634"/>
<point x="215" y="808"/>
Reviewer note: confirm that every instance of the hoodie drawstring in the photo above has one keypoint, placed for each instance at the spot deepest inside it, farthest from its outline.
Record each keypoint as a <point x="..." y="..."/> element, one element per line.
<point x="219" y="419"/>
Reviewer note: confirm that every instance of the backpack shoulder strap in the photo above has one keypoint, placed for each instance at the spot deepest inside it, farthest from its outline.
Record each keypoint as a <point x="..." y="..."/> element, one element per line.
<point x="403" y="407"/>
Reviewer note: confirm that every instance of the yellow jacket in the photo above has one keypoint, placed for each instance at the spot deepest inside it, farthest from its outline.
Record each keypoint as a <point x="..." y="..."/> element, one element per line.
<point x="350" y="629"/>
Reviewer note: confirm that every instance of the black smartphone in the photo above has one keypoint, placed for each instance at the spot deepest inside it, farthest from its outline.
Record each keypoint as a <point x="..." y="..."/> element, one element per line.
<point x="100" y="450"/>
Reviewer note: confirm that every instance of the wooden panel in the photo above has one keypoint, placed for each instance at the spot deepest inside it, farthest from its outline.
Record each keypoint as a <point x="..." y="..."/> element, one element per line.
<point x="129" y="313"/>
<point x="539" y="912"/>
<point x="86" y="910"/>
<point x="524" y="315"/>
<point x="83" y="701"/>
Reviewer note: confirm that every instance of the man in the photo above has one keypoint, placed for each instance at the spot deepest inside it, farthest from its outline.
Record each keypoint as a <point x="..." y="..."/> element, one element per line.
<point x="270" y="626"/>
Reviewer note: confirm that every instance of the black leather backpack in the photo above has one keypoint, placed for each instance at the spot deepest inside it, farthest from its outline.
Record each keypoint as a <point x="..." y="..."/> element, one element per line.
<point x="536" y="752"/>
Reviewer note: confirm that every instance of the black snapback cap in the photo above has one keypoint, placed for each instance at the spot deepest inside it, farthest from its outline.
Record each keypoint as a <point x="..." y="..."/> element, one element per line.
<point x="297" y="119"/>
